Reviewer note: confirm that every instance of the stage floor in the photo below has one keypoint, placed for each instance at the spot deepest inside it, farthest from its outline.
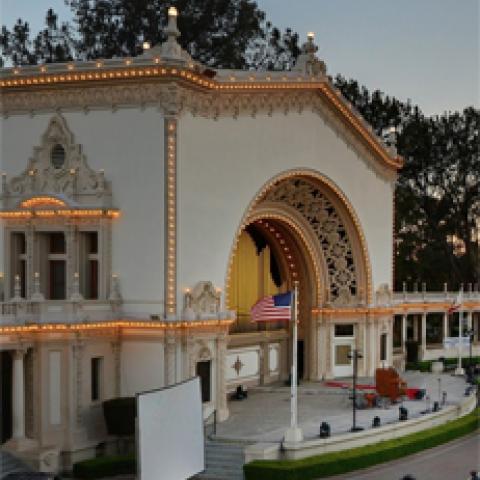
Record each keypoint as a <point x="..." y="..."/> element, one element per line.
<point x="265" y="414"/>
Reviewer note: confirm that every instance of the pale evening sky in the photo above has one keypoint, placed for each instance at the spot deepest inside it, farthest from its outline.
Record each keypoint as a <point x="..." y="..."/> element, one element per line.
<point x="425" y="50"/>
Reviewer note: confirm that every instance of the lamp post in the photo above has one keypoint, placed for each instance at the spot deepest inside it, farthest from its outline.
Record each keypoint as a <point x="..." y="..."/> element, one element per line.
<point x="355" y="355"/>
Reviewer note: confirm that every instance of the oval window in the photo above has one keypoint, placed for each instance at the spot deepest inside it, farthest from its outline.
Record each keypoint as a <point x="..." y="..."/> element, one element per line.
<point x="58" y="156"/>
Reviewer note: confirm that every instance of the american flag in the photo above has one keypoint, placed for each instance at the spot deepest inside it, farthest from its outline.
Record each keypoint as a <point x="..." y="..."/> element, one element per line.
<point x="272" y="308"/>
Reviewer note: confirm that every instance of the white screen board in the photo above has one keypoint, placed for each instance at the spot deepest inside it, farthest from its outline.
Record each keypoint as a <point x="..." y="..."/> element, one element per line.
<point x="170" y="432"/>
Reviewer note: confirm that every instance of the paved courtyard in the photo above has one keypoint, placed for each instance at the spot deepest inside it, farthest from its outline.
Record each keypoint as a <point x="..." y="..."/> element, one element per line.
<point x="265" y="414"/>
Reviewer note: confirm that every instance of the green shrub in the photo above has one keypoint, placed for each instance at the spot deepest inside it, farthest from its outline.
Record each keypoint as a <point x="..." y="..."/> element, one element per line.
<point x="120" y="415"/>
<point x="423" y="366"/>
<point x="328" y="464"/>
<point x="105" y="467"/>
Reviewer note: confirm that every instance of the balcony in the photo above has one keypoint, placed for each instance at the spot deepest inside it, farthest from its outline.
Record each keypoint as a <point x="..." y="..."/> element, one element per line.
<point x="434" y="297"/>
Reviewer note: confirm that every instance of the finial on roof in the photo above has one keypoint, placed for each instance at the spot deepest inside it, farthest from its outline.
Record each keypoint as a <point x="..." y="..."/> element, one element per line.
<point x="172" y="29"/>
<point x="170" y="50"/>
<point x="307" y="62"/>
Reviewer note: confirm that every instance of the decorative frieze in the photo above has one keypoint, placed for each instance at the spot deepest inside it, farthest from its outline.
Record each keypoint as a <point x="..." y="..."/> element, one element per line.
<point x="174" y="99"/>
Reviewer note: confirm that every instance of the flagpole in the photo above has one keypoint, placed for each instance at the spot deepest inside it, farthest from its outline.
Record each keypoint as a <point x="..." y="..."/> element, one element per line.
<point x="294" y="433"/>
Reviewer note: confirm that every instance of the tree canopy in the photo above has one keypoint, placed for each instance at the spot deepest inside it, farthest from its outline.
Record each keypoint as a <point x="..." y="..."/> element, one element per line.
<point x="437" y="216"/>
<point x="437" y="209"/>
<point x="219" y="33"/>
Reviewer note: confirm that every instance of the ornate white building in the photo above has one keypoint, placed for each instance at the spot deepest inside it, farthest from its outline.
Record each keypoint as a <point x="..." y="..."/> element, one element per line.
<point x="148" y="202"/>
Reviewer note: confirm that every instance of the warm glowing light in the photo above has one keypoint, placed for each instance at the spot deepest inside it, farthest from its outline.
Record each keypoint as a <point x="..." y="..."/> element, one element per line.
<point x="146" y="45"/>
<point x="42" y="201"/>
<point x="172" y="12"/>
<point x="311" y="35"/>
<point x="61" y="212"/>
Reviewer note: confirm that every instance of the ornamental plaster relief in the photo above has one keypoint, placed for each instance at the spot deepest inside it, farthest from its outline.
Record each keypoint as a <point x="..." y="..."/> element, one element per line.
<point x="174" y="100"/>
<point x="71" y="178"/>
<point x="330" y="231"/>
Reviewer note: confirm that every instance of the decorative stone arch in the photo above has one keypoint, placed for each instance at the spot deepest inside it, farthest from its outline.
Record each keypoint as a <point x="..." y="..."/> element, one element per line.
<point x="291" y="218"/>
<point x="340" y="212"/>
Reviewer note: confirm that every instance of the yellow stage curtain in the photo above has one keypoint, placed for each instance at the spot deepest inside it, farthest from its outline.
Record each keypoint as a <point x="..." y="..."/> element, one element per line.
<point x="250" y="277"/>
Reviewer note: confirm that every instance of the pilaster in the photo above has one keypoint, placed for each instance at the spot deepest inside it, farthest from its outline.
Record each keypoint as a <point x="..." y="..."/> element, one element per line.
<point x="78" y="348"/>
<point x="170" y="156"/>
<point x="221" y="400"/>
<point x="170" y="354"/>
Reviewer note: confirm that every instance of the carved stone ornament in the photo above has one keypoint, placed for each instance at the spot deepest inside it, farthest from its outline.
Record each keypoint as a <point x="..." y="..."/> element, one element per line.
<point x="58" y="168"/>
<point x="170" y="51"/>
<point x="307" y="62"/>
<point x="174" y="99"/>
<point x="383" y="295"/>
<point x="203" y="302"/>
<point x="330" y="231"/>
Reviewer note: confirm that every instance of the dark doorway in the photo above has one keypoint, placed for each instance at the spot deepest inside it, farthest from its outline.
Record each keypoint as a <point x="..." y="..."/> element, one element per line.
<point x="204" y="372"/>
<point x="5" y="396"/>
<point x="300" y="358"/>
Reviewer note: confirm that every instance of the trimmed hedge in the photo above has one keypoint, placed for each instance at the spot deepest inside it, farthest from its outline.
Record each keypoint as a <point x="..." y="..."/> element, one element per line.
<point x="105" y="467"/>
<point x="335" y="463"/>
<point x="119" y="414"/>
<point x="426" y="365"/>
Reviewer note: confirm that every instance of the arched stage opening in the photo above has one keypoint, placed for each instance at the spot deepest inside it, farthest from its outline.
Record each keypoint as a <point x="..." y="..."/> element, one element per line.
<point x="300" y="226"/>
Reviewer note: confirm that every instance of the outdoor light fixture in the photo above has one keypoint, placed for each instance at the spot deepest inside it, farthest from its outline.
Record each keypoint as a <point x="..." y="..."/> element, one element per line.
<point x="355" y="355"/>
<point x="146" y="45"/>
<point x="172" y="12"/>
<point x="402" y="414"/>
<point x="324" y="430"/>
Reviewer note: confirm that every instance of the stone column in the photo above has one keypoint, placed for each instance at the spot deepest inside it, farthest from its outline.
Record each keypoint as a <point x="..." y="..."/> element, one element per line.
<point x="424" y="334"/>
<point x="372" y="344"/>
<point x="221" y="393"/>
<point x="404" y="334"/>
<point x="117" y="357"/>
<point x="469" y="319"/>
<point x="18" y="395"/>
<point x="169" y="355"/>
<point x="445" y="324"/>
<point x="264" y="362"/>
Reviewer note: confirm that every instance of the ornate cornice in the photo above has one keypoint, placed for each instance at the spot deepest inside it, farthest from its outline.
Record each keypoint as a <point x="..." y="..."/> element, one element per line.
<point x="175" y="91"/>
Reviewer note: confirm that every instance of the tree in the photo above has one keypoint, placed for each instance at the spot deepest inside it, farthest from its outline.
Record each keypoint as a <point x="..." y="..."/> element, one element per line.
<point x="219" y="33"/>
<point x="437" y="192"/>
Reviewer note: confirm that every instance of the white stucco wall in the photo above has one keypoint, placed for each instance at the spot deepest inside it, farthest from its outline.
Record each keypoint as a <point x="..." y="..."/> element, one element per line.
<point x="128" y="145"/>
<point x="222" y="165"/>
<point x="142" y="366"/>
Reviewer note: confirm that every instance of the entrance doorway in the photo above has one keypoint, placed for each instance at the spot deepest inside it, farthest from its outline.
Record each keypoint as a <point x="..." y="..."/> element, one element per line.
<point x="204" y="369"/>
<point x="5" y="396"/>
<point x="343" y="344"/>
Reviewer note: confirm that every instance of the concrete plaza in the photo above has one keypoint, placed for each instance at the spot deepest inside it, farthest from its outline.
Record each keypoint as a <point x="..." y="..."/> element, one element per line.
<point x="265" y="414"/>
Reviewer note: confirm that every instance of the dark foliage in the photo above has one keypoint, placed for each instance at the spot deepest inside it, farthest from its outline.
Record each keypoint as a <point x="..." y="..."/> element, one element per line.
<point x="438" y="190"/>
<point x="218" y="33"/>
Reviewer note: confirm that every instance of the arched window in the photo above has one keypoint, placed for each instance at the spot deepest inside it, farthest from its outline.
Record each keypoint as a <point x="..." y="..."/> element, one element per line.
<point x="57" y="156"/>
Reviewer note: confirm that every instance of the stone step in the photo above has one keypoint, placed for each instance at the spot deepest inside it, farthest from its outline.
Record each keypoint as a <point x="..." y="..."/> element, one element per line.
<point x="10" y="464"/>
<point x="223" y="461"/>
